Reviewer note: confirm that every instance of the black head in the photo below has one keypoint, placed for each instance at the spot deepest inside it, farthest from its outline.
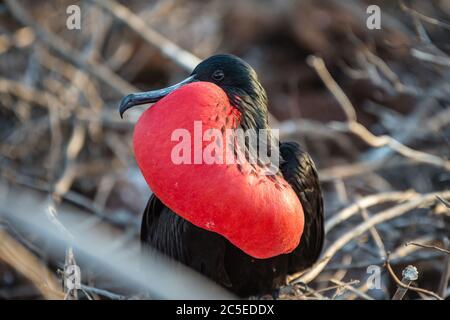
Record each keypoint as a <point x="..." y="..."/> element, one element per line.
<point x="228" y="71"/>
<point x="240" y="82"/>
<point x="235" y="76"/>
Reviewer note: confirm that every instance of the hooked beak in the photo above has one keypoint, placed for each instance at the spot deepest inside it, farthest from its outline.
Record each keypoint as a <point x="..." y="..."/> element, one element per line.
<point x="138" y="98"/>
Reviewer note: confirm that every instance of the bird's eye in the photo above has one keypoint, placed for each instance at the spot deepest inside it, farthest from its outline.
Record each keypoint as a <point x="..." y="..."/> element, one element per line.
<point x="218" y="75"/>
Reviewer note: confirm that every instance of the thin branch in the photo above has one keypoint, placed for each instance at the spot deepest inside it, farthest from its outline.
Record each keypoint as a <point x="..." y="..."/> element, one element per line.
<point x="352" y="126"/>
<point x="375" y="235"/>
<point x="97" y="70"/>
<point x="30" y="94"/>
<point x="74" y="146"/>
<point x="16" y="255"/>
<point x="428" y="247"/>
<point x="104" y="293"/>
<point x="319" y="65"/>
<point x="429" y="57"/>
<point x="364" y="203"/>
<point x="349" y="286"/>
<point x="336" y="286"/>
<point x="183" y="58"/>
<point x="144" y="272"/>
<point x="381" y="217"/>
<point x="401" y="284"/>
<point x="445" y="271"/>
<point x="423" y="17"/>
<point x="443" y="201"/>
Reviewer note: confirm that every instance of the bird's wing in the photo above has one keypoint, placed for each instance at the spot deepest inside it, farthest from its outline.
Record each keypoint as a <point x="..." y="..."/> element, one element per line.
<point x="181" y="240"/>
<point x="162" y="229"/>
<point x="300" y="172"/>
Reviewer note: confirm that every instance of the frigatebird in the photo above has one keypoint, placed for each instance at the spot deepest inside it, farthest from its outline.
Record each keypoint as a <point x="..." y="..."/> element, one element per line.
<point x="234" y="223"/>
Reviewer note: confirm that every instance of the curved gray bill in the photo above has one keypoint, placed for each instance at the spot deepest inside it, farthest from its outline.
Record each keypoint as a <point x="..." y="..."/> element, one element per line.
<point x="138" y="98"/>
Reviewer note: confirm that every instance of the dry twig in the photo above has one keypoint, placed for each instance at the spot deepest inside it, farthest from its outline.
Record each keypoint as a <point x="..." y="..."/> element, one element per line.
<point x="99" y="71"/>
<point x="394" y="212"/>
<point x="351" y="125"/>
<point x="428" y="247"/>
<point x="401" y="284"/>
<point x="16" y="255"/>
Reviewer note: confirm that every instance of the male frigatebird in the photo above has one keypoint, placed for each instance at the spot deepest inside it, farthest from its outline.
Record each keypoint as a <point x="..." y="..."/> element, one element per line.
<point x="234" y="223"/>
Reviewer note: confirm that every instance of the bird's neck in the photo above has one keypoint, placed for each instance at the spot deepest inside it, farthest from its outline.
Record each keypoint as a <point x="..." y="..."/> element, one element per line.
<point x="253" y="111"/>
<point x="252" y="104"/>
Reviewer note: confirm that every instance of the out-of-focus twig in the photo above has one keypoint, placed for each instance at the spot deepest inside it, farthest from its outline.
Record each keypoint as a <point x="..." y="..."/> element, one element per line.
<point x="375" y="235"/>
<point x="391" y="213"/>
<point x="182" y="57"/>
<point x="55" y="43"/>
<point x="442" y="290"/>
<point x="338" y="285"/>
<point x="161" y="277"/>
<point x="74" y="147"/>
<point x="353" y="126"/>
<point x="104" y="293"/>
<point x="29" y="94"/>
<point x="429" y="57"/>
<point x="70" y="293"/>
<point x="424" y="17"/>
<point x="366" y="202"/>
<point x="444" y="202"/>
<point x="16" y="255"/>
<point x="350" y="287"/>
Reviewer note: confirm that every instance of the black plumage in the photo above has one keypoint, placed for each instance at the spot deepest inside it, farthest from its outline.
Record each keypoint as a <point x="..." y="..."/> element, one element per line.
<point x="210" y="253"/>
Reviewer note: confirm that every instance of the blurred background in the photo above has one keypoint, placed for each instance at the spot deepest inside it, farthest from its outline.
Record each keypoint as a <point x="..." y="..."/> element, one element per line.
<point x="385" y="176"/>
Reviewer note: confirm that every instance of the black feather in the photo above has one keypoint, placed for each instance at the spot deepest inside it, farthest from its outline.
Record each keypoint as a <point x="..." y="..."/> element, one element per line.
<point x="210" y="253"/>
<point x="214" y="256"/>
<point x="300" y="172"/>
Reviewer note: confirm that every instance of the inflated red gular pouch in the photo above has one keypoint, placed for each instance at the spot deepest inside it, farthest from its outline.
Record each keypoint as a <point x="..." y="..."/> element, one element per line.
<point x="254" y="214"/>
